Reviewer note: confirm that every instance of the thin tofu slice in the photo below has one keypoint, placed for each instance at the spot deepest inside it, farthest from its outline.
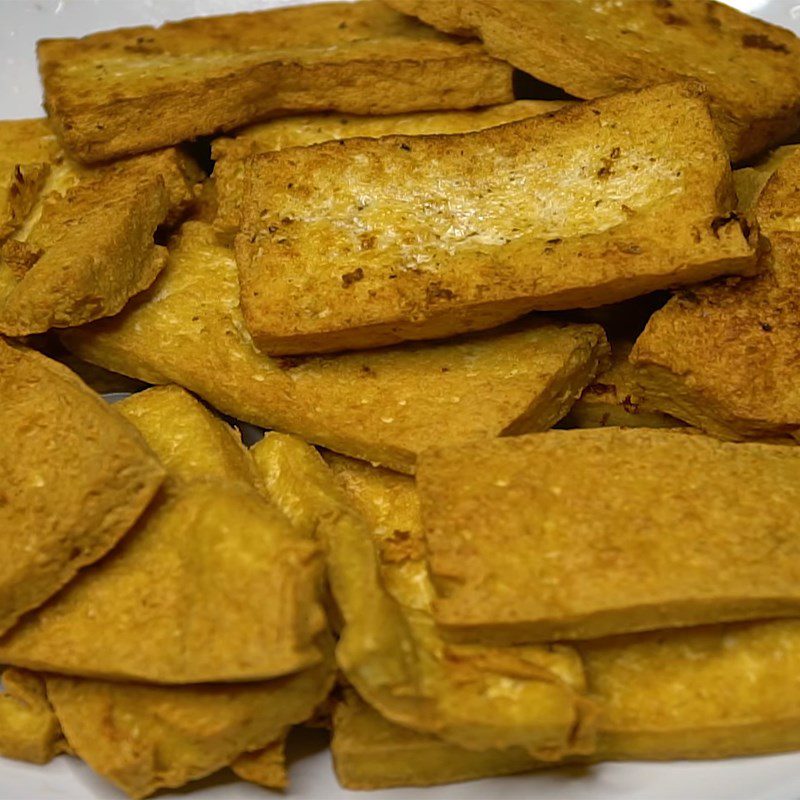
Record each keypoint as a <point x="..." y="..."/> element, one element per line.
<point x="86" y="244"/>
<point x="382" y="406"/>
<point x="229" y="153"/>
<point x="122" y="92"/>
<point x="725" y="357"/>
<point x="362" y="243"/>
<point x="215" y="574"/>
<point x="587" y="533"/>
<point x="751" y="68"/>
<point x="74" y="479"/>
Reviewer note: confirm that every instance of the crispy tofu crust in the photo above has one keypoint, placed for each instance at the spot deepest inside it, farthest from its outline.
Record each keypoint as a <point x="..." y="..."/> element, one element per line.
<point x="28" y="150"/>
<point x="87" y="250"/>
<point x="724" y="357"/>
<point x="230" y="153"/>
<point x="29" y="730"/>
<point x="476" y="697"/>
<point x="382" y="406"/>
<point x="75" y="478"/>
<point x="121" y="92"/>
<point x="231" y="593"/>
<point x="265" y="767"/>
<point x="586" y="533"/>
<point x="713" y="692"/>
<point x="614" y="399"/>
<point x="751" y="68"/>
<point x="369" y="752"/>
<point x="144" y="738"/>
<point x="360" y="243"/>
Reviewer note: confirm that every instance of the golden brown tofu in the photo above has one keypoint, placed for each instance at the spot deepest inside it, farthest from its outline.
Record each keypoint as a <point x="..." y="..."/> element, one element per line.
<point x="724" y="357"/>
<point x="215" y="574"/>
<point x="29" y="730"/>
<point x="369" y="752"/>
<point x="265" y="767"/>
<point x="712" y="692"/>
<point x="120" y="92"/>
<point x="144" y="738"/>
<point x="368" y="242"/>
<point x="613" y="399"/>
<point x="389" y="648"/>
<point x="28" y="151"/>
<point x="587" y="533"/>
<point x="75" y="477"/>
<point x="278" y="134"/>
<point x="87" y="247"/>
<point x="751" y="68"/>
<point x="383" y="406"/>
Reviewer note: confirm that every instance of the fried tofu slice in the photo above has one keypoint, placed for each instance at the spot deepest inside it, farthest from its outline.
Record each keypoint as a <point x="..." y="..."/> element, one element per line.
<point x="368" y="242"/>
<point x="710" y="692"/>
<point x="724" y="357"/>
<point x="87" y="247"/>
<point x="614" y="400"/>
<point x="749" y="181"/>
<point x="144" y="738"/>
<point x="382" y="406"/>
<point x="751" y="68"/>
<point x="29" y="730"/>
<point x="28" y="150"/>
<point x="388" y="646"/>
<point x="369" y="752"/>
<point x="266" y="767"/>
<point x="586" y="533"/>
<point x="213" y="572"/>
<point x="74" y="479"/>
<point x="125" y="91"/>
<point x="229" y="153"/>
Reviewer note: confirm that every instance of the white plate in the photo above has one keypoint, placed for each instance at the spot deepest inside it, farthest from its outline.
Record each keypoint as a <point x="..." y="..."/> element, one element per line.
<point x="22" y="22"/>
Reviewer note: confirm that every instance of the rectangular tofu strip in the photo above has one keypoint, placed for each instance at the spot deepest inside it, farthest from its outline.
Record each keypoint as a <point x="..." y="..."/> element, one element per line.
<point x="383" y="406"/>
<point x="230" y="153"/>
<point x="587" y="533"/>
<point x="125" y="91"/>
<point x="213" y="572"/>
<point x="85" y="243"/>
<point x="591" y="49"/>
<point x="74" y="479"/>
<point x="368" y="242"/>
<point x="724" y="357"/>
<point x="388" y="645"/>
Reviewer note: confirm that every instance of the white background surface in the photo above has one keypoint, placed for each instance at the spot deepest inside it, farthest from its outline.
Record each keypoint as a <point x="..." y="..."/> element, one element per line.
<point x="22" y="22"/>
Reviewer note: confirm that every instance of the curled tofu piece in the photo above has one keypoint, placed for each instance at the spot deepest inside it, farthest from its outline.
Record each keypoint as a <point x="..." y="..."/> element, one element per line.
<point x="383" y="406"/>
<point x="74" y="479"/>
<point x="750" y="67"/>
<point x="709" y="692"/>
<point x="87" y="246"/>
<point x="125" y="91"/>
<point x="229" y="153"/>
<point x="723" y="357"/>
<point x="389" y="649"/>
<point x="586" y="533"/>
<point x="29" y="730"/>
<point x="369" y="752"/>
<point x="28" y="151"/>
<point x="368" y="242"/>
<point x="614" y="400"/>
<point x="214" y="572"/>
<point x="143" y="738"/>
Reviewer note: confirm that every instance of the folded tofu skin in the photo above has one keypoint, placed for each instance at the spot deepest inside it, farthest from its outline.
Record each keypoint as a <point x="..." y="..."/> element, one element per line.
<point x="361" y="243"/>
<point x="75" y="477"/>
<point x="385" y="406"/>
<point x="564" y="535"/>
<point x="122" y="92"/>
<point x="593" y="49"/>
